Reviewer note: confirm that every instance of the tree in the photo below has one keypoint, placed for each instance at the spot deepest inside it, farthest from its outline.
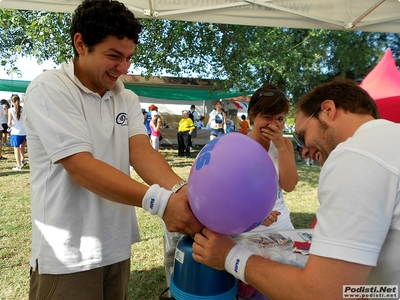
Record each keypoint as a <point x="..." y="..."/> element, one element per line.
<point x="42" y="35"/>
<point x="237" y="57"/>
<point x="245" y="57"/>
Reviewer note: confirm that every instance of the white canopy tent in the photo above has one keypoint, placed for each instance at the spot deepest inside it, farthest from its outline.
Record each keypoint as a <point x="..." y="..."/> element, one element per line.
<point x="359" y="15"/>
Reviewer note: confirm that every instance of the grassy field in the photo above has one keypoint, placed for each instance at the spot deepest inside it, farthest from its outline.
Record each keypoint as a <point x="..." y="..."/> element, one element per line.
<point x="147" y="268"/>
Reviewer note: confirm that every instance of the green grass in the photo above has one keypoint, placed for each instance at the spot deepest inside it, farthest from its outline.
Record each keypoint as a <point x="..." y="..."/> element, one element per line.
<point x="147" y="267"/>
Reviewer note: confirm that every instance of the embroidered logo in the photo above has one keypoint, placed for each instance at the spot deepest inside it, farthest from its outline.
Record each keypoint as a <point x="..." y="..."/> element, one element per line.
<point x="122" y="119"/>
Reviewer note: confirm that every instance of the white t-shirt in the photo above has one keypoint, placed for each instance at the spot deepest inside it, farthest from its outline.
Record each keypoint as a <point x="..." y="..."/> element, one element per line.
<point x="17" y="126"/>
<point x="284" y="222"/>
<point x="215" y="118"/>
<point x="359" y="193"/>
<point x="74" y="229"/>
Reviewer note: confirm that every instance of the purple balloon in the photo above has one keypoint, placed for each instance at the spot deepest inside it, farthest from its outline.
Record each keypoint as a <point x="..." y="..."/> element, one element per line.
<point x="232" y="184"/>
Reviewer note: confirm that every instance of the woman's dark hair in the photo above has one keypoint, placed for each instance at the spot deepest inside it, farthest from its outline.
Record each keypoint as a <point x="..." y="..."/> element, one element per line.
<point x="5" y="102"/>
<point x="345" y="93"/>
<point x="97" y="19"/>
<point x="16" y="102"/>
<point x="216" y="102"/>
<point x="267" y="100"/>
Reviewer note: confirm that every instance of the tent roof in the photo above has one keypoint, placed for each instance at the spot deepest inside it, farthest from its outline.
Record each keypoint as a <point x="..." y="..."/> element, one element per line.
<point x="383" y="85"/>
<point x="384" y="79"/>
<point x="361" y="15"/>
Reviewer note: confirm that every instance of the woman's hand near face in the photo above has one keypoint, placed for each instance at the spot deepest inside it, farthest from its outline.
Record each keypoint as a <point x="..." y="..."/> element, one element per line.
<point x="273" y="133"/>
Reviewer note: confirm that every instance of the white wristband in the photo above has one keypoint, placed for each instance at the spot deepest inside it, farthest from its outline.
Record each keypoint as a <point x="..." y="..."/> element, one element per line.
<point x="155" y="200"/>
<point x="236" y="260"/>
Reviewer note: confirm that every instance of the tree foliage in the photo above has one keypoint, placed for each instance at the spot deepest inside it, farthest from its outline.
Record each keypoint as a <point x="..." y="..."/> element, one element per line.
<point x="237" y="57"/>
<point x="36" y="34"/>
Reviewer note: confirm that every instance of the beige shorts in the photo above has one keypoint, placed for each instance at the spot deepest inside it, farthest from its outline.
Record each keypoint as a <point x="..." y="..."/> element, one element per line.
<point x="109" y="282"/>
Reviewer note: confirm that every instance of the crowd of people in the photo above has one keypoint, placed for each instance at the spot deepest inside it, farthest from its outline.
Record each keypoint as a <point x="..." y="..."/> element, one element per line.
<point x="218" y="122"/>
<point x="83" y="197"/>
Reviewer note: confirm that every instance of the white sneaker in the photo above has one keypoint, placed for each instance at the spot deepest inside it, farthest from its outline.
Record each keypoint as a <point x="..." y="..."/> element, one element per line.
<point x="17" y="169"/>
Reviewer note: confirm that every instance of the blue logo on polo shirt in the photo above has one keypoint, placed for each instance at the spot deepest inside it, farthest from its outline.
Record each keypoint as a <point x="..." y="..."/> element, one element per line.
<point x="122" y="119"/>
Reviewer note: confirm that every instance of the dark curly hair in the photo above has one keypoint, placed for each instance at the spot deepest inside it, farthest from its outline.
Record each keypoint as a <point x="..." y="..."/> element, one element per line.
<point x="346" y="94"/>
<point x="97" y="19"/>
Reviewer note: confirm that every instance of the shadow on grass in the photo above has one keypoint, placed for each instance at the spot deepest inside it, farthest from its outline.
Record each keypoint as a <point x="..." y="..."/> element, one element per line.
<point x="11" y="173"/>
<point x="181" y="164"/>
<point x="301" y="220"/>
<point x="171" y="155"/>
<point x="147" y="284"/>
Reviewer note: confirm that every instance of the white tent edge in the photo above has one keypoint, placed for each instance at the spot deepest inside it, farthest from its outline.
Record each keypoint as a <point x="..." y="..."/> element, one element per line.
<point x="356" y="15"/>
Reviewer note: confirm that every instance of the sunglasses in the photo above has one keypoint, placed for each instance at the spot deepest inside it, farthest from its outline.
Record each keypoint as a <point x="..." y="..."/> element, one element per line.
<point x="270" y="93"/>
<point x="300" y="138"/>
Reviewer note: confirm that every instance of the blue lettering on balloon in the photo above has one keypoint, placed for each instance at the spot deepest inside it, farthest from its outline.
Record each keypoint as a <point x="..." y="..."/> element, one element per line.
<point x="254" y="225"/>
<point x="205" y="154"/>
<point x="203" y="159"/>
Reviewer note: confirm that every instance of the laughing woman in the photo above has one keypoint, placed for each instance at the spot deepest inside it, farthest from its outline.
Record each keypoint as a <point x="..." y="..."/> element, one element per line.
<point x="266" y="112"/>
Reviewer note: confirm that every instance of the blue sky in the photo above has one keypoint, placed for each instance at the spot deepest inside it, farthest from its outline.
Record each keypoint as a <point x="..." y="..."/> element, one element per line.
<point x="29" y="68"/>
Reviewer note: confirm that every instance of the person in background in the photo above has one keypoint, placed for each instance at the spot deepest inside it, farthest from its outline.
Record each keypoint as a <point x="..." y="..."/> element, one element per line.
<point x="195" y="118"/>
<point x="83" y="198"/>
<point x="17" y="133"/>
<point x="192" y="111"/>
<point x="357" y="236"/>
<point x="144" y="112"/>
<point x="308" y="161"/>
<point x="217" y="121"/>
<point x="266" y="112"/>
<point x="200" y="124"/>
<point x="5" y="106"/>
<point x="4" y="126"/>
<point x="230" y="125"/>
<point x="244" y="125"/>
<point x="185" y="129"/>
<point x="1" y="144"/>
<point x="152" y="107"/>
<point x="155" y="126"/>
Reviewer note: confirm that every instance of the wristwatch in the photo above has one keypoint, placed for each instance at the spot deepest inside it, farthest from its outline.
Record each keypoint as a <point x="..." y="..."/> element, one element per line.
<point x="178" y="186"/>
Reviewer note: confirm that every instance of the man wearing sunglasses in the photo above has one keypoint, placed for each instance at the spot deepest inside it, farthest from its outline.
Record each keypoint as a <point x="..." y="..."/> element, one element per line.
<point x="357" y="235"/>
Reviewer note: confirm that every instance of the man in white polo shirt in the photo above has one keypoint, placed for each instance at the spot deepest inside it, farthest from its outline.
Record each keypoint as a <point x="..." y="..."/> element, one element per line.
<point x="357" y="236"/>
<point x="84" y="132"/>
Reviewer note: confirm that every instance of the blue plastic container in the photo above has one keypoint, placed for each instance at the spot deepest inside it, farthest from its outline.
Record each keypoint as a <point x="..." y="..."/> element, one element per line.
<point x="191" y="280"/>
